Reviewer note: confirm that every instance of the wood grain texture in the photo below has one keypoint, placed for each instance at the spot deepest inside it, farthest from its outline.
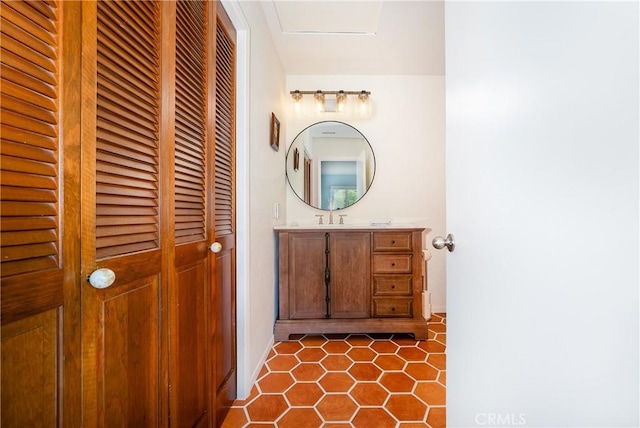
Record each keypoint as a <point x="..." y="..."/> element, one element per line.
<point x="123" y="340"/>
<point x="307" y="292"/>
<point x="376" y="281"/>
<point x="71" y="118"/>
<point x="393" y="241"/>
<point x="127" y="128"/>
<point x="30" y="349"/>
<point x="39" y="264"/>
<point x="191" y="121"/>
<point x="189" y="347"/>
<point x="224" y="225"/>
<point x="392" y="285"/>
<point x="128" y="375"/>
<point x="30" y="147"/>
<point x="167" y="204"/>
<point x="392" y="263"/>
<point x="392" y="307"/>
<point x="191" y="358"/>
<point x="350" y="266"/>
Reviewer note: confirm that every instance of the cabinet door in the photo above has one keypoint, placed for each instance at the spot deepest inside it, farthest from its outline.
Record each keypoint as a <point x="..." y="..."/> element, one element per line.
<point x="350" y="264"/>
<point x="307" y="291"/>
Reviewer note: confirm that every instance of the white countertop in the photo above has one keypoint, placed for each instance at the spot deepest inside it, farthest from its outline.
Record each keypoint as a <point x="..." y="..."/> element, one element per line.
<point x="346" y="227"/>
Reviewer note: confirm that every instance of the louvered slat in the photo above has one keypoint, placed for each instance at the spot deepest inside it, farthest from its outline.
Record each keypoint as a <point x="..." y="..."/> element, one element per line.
<point x="224" y="148"/>
<point x="27" y="88"/>
<point x="18" y="13"/>
<point x="190" y="132"/>
<point x="127" y="181"/>
<point x="29" y="128"/>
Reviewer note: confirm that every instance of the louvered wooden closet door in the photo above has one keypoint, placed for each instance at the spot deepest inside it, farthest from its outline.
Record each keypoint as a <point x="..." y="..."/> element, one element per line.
<point x="125" y="213"/>
<point x="224" y="194"/>
<point x="190" y="364"/>
<point x="39" y="280"/>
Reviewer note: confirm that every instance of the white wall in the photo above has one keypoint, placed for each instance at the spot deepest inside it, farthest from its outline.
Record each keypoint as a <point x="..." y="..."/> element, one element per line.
<point x="406" y="130"/>
<point x="262" y="170"/>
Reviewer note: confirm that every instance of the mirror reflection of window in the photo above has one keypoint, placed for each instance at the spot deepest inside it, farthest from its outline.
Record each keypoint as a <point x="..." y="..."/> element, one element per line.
<point x="338" y="184"/>
<point x="342" y="197"/>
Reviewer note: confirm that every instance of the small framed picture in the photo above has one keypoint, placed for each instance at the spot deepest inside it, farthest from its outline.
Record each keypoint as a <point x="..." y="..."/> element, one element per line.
<point x="296" y="159"/>
<point x="275" y="132"/>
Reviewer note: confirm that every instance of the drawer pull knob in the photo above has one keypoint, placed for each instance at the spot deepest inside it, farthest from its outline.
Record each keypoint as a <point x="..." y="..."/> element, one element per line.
<point x="393" y="241"/>
<point x="393" y="286"/>
<point x="393" y="308"/>
<point x="393" y="264"/>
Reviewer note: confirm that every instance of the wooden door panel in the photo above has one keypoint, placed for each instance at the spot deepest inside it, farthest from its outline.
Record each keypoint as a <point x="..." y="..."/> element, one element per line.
<point x="307" y="265"/>
<point x="189" y="366"/>
<point x="121" y="336"/>
<point x="224" y="224"/>
<point x="124" y="152"/>
<point x="191" y="361"/>
<point x="350" y="267"/>
<point x="225" y="331"/>
<point x="39" y="303"/>
<point x="130" y="355"/>
<point x="30" y="349"/>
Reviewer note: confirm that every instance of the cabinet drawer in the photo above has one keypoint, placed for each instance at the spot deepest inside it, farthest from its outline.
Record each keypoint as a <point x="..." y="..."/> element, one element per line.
<point x="392" y="263"/>
<point x="400" y="307"/>
<point x="392" y="241"/>
<point x="392" y="285"/>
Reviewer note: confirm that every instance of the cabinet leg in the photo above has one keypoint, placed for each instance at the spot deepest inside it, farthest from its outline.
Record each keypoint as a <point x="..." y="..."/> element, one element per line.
<point x="421" y="333"/>
<point x="280" y="337"/>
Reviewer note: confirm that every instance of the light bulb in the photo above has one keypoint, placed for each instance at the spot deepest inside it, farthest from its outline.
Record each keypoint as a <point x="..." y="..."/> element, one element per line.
<point x="319" y="97"/>
<point x="341" y="101"/>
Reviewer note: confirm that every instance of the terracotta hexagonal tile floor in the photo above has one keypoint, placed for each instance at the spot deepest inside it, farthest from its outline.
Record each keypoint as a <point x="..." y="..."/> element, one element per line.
<point x="389" y="362"/>
<point x="337" y="407"/>
<point x="304" y="394"/>
<point x="356" y="381"/>
<point x="369" y="394"/>
<point x="307" y="372"/>
<point x="336" y="362"/>
<point x="336" y="382"/>
<point x="300" y="418"/>
<point x="397" y="382"/>
<point x="364" y="372"/>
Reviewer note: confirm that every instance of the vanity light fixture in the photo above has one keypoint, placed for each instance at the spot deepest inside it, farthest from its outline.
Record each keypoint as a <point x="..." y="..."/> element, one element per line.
<point x="340" y="99"/>
<point x="319" y="98"/>
<point x="363" y="97"/>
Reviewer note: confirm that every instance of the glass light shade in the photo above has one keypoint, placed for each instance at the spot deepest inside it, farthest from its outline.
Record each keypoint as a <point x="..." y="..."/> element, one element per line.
<point x="319" y="98"/>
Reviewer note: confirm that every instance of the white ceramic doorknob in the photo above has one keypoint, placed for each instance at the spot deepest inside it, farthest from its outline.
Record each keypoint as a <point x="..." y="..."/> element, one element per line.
<point x="216" y="247"/>
<point x="102" y="278"/>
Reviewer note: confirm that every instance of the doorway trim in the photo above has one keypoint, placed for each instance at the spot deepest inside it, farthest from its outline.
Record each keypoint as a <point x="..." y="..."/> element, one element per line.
<point x="233" y="9"/>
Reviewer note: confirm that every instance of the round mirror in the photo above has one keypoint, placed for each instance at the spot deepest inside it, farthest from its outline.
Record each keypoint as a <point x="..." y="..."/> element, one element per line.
<point x="330" y="165"/>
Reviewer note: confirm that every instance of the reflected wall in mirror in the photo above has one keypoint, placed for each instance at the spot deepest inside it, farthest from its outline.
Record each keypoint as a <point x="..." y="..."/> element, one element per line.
<point x="338" y="165"/>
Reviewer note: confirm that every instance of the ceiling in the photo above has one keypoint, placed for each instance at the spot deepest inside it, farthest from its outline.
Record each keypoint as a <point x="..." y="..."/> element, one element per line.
<point x="358" y="37"/>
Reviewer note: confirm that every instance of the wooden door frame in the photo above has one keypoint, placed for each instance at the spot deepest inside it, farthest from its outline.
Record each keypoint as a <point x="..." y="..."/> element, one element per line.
<point x="246" y="373"/>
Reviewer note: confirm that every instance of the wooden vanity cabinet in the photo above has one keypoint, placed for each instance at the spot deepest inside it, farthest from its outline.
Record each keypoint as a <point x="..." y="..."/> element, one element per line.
<point x="350" y="281"/>
<point x="350" y="269"/>
<point x="307" y="262"/>
<point x="393" y="291"/>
